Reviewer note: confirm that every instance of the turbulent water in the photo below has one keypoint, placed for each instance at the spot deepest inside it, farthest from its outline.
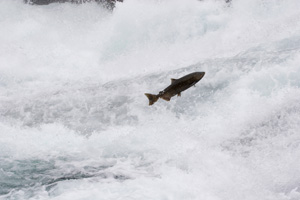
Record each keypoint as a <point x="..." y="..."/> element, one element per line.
<point x="75" y="123"/>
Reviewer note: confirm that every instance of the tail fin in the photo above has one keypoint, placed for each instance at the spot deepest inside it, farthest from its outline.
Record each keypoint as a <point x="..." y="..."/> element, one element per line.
<point x="152" y="98"/>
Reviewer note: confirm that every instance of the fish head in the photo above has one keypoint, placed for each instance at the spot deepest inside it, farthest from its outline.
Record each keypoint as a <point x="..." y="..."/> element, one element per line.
<point x="199" y="75"/>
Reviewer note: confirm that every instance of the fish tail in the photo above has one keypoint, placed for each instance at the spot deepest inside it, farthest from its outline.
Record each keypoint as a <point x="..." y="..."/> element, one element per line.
<point x="152" y="98"/>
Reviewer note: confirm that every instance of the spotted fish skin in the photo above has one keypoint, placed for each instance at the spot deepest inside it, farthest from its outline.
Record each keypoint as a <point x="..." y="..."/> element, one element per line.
<point x="177" y="86"/>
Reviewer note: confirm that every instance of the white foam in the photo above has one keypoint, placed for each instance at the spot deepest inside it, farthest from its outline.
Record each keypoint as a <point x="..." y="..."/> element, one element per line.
<point x="74" y="123"/>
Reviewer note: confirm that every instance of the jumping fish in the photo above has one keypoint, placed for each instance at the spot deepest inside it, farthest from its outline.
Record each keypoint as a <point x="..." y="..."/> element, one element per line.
<point x="177" y="86"/>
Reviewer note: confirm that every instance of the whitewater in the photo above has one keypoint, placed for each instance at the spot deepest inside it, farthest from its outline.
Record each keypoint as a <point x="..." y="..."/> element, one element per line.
<point x="75" y="123"/>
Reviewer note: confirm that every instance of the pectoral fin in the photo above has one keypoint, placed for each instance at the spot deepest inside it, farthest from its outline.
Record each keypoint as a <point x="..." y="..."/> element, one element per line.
<point x="173" y="80"/>
<point x="179" y="94"/>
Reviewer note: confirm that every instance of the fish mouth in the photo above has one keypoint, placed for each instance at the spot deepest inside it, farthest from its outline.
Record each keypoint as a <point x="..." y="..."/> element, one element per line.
<point x="199" y="75"/>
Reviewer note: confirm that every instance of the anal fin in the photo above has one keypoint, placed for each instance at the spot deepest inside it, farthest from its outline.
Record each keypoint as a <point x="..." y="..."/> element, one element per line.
<point x="166" y="98"/>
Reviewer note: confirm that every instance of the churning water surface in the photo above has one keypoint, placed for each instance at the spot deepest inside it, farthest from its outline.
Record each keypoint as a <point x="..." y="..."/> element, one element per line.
<point x="75" y="123"/>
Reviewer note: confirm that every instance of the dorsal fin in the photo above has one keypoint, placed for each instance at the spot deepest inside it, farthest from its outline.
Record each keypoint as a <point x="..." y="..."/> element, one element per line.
<point x="173" y="80"/>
